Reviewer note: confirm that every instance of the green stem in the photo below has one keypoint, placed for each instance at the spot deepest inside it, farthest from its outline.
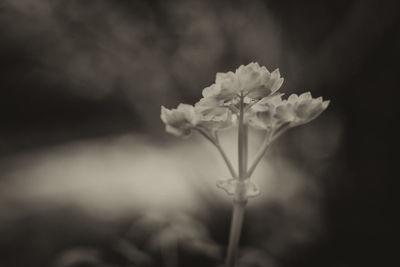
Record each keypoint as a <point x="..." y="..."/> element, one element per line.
<point x="239" y="205"/>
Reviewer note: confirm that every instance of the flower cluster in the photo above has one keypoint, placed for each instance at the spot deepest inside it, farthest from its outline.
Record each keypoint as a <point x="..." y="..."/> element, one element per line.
<point x="251" y="90"/>
<point x="247" y="97"/>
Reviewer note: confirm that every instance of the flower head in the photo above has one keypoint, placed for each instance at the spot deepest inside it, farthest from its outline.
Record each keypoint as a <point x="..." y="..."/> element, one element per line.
<point x="247" y="97"/>
<point x="251" y="89"/>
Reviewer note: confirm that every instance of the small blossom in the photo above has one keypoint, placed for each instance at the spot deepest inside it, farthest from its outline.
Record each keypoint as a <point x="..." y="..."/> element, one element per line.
<point x="262" y="114"/>
<point x="257" y="82"/>
<point x="179" y="121"/>
<point x="301" y="109"/>
<point x="226" y="87"/>
<point x="252" y="81"/>
<point x="182" y="120"/>
<point x="270" y="113"/>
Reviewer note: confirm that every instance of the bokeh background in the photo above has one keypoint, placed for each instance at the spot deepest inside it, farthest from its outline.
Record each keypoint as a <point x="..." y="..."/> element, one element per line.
<point x="88" y="177"/>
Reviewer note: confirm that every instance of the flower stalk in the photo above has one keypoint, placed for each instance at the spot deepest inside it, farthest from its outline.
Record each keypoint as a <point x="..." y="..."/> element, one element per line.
<point x="235" y="232"/>
<point x="259" y="155"/>
<point x="215" y="142"/>
<point x="242" y="142"/>
<point x="226" y="159"/>
<point x="239" y="204"/>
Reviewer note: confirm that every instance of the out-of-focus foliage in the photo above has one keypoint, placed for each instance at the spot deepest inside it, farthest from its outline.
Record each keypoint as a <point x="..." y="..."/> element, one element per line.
<point x="152" y="240"/>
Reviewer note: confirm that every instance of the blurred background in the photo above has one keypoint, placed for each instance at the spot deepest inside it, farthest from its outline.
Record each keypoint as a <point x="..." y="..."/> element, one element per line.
<point x="88" y="176"/>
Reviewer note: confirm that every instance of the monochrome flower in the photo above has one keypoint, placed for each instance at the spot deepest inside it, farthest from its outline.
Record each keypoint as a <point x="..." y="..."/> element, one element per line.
<point x="262" y="114"/>
<point x="256" y="82"/>
<point x="270" y="113"/>
<point x="182" y="120"/>
<point x="179" y="121"/>
<point x="226" y="87"/>
<point x="251" y="82"/>
<point x="301" y="109"/>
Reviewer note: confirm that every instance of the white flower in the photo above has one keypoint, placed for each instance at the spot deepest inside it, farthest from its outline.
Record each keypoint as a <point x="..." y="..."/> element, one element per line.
<point x="226" y="87"/>
<point x="179" y="121"/>
<point x="301" y="109"/>
<point x="182" y="120"/>
<point x="262" y="114"/>
<point x="252" y="81"/>
<point x="257" y="82"/>
<point x="270" y="113"/>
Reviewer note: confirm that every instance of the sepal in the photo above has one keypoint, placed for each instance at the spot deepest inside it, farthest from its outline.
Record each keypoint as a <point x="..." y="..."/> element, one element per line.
<point x="240" y="190"/>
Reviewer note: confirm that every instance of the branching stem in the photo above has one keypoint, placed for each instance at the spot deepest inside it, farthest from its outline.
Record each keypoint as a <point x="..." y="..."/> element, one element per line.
<point x="259" y="155"/>
<point x="215" y="142"/>
<point x="239" y="204"/>
<point x="264" y="146"/>
<point x="227" y="161"/>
